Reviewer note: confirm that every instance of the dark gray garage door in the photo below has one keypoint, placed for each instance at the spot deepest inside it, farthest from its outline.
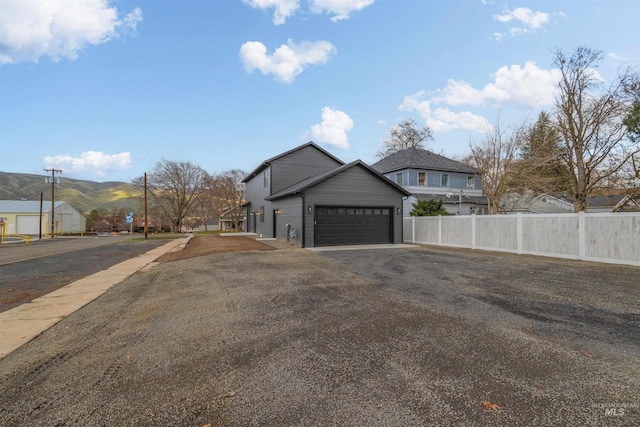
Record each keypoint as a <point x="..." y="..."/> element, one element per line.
<point x="336" y="225"/>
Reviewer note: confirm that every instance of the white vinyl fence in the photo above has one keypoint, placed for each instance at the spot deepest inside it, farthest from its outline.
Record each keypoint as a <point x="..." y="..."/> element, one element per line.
<point x="601" y="237"/>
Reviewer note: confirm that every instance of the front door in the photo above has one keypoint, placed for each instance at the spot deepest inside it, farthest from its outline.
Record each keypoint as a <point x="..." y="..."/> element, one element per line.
<point x="275" y="223"/>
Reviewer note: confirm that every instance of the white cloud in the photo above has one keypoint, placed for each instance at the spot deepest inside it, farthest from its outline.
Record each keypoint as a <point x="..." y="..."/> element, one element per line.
<point x="96" y="163"/>
<point x="288" y="60"/>
<point x="133" y="18"/>
<point x="522" y="16"/>
<point x="341" y="9"/>
<point x="333" y="128"/>
<point x="525" y="15"/>
<point x="527" y="86"/>
<point x="283" y="8"/>
<point x="59" y="29"/>
<point x="443" y="119"/>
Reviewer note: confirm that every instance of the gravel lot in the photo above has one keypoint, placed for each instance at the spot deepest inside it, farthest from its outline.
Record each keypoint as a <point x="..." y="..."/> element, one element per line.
<point x="380" y="337"/>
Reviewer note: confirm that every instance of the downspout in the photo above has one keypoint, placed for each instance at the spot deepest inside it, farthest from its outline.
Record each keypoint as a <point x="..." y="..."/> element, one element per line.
<point x="304" y="214"/>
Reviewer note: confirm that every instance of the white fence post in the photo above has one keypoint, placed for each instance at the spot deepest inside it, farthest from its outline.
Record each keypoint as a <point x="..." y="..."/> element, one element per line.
<point x="582" y="248"/>
<point x="473" y="231"/>
<point x="413" y="229"/>
<point x="439" y="230"/>
<point x="519" y="233"/>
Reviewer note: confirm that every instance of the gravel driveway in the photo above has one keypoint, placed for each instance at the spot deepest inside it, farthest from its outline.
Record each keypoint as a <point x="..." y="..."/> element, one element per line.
<point x="380" y="337"/>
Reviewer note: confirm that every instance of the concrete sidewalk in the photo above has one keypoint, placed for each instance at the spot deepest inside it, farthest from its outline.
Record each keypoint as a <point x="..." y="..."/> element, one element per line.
<point x="23" y="323"/>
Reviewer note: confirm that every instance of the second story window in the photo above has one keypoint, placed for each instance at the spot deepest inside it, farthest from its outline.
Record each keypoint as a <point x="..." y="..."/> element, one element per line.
<point x="399" y="178"/>
<point x="266" y="178"/>
<point x="445" y="180"/>
<point x="422" y="178"/>
<point x="470" y="182"/>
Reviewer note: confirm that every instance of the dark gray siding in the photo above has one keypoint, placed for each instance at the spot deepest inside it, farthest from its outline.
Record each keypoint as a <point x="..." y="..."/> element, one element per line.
<point x="296" y="166"/>
<point x="255" y="194"/>
<point x="354" y="187"/>
<point x="290" y="212"/>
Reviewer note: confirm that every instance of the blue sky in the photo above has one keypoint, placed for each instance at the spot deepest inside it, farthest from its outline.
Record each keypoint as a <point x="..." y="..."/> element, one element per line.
<point x="105" y="89"/>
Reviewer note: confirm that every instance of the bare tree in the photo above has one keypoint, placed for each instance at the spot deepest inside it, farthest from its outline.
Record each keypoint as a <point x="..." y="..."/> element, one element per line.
<point x="405" y="135"/>
<point x="495" y="157"/>
<point x="173" y="188"/>
<point x="230" y="190"/>
<point x="590" y="119"/>
<point x="208" y="204"/>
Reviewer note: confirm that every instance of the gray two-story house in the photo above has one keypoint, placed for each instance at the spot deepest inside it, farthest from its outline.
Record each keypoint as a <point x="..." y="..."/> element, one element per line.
<point x="312" y="198"/>
<point x="429" y="176"/>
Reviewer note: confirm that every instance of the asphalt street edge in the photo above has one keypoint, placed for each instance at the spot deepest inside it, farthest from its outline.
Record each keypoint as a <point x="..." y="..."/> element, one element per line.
<point x="25" y="322"/>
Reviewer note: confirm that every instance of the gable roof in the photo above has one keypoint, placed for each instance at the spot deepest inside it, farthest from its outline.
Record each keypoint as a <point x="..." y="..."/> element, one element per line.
<point x="27" y="206"/>
<point x="267" y="162"/>
<point x="314" y="180"/>
<point x="416" y="158"/>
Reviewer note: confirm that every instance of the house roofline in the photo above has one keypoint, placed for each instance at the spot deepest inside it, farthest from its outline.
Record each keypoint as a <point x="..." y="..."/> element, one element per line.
<point x="307" y="183"/>
<point x="265" y="164"/>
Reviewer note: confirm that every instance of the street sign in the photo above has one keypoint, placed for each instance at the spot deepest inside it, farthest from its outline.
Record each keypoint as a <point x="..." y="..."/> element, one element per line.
<point x="130" y="213"/>
<point x="129" y="220"/>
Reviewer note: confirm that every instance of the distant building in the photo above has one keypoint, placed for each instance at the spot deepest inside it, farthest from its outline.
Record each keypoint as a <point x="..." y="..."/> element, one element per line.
<point x="23" y="217"/>
<point x="547" y="204"/>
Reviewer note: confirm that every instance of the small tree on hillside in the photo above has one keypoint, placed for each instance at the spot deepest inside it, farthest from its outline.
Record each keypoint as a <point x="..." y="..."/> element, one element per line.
<point x="405" y="135"/>
<point x="428" y="208"/>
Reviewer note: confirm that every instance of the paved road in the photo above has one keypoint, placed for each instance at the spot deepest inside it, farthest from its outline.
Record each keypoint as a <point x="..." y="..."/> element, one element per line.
<point x="30" y="271"/>
<point x="382" y="337"/>
<point x="20" y="251"/>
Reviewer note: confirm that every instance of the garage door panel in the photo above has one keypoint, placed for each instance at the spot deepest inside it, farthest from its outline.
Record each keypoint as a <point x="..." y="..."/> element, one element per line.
<point x="27" y="224"/>
<point x="352" y="225"/>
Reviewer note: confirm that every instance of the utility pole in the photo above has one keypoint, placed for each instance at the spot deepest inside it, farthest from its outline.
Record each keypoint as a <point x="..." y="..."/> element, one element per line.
<point x="53" y="198"/>
<point x="145" y="206"/>
<point x="40" y="218"/>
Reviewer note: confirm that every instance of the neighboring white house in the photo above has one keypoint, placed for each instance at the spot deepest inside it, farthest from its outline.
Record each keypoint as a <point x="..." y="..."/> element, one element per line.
<point x="430" y="176"/>
<point x="23" y="217"/>
<point x="547" y="204"/>
<point x="227" y="217"/>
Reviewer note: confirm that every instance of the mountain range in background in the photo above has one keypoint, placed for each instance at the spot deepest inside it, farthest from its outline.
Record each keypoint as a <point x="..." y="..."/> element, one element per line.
<point x="82" y="195"/>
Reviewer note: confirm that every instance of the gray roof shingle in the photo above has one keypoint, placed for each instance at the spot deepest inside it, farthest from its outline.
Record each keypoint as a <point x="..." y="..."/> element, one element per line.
<point x="415" y="158"/>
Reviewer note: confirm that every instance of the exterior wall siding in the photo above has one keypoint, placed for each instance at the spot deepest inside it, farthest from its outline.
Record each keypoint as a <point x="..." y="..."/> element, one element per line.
<point x="299" y="165"/>
<point x="353" y="187"/>
<point x="290" y="213"/>
<point x="255" y="193"/>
